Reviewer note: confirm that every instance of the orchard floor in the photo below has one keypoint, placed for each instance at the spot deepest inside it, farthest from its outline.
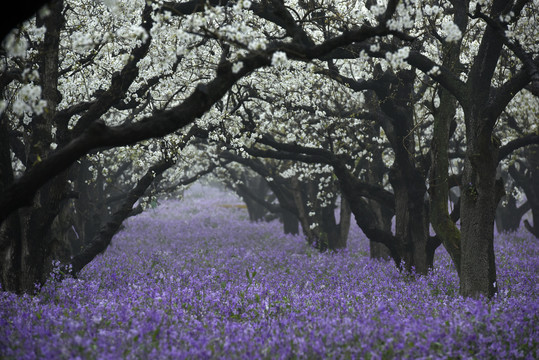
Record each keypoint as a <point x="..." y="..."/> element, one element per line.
<point x="195" y="279"/>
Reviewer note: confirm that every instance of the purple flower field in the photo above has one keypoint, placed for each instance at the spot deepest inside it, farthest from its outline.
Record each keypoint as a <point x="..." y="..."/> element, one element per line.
<point x="195" y="279"/>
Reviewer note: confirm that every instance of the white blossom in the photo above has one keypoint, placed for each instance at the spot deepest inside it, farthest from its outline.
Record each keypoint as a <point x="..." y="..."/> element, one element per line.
<point x="451" y="31"/>
<point x="257" y="44"/>
<point x="237" y="66"/>
<point x="29" y="101"/>
<point x="15" y="45"/>
<point x="435" y="70"/>
<point x="279" y="59"/>
<point x="112" y="5"/>
<point x="398" y="59"/>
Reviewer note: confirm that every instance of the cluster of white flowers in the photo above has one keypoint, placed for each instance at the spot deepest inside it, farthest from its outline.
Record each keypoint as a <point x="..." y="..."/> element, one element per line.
<point x="433" y="10"/>
<point x="237" y="66"/>
<point x="242" y="4"/>
<point x="133" y="32"/>
<point x="112" y="5"/>
<point x="15" y="45"/>
<point x="435" y="70"/>
<point x="398" y="59"/>
<point x="404" y="18"/>
<point x="29" y="102"/>
<point x="377" y="10"/>
<point x="257" y="44"/>
<point x="375" y="47"/>
<point x="290" y="172"/>
<point x="473" y="4"/>
<point x="451" y="31"/>
<point x="279" y="59"/>
<point x="81" y="42"/>
<point x="507" y="17"/>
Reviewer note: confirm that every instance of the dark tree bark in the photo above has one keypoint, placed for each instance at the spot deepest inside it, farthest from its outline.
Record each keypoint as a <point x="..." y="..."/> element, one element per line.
<point x="286" y="209"/>
<point x="318" y="216"/>
<point x="90" y="209"/>
<point x="408" y="173"/>
<point x="344" y="224"/>
<point x="376" y="170"/>
<point x="290" y="223"/>
<point x="287" y="217"/>
<point x="297" y="200"/>
<point x="508" y="214"/>
<point x="411" y="222"/>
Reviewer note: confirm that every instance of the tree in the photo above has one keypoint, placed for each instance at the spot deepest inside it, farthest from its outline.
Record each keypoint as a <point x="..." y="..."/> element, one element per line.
<point x="482" y="102"/>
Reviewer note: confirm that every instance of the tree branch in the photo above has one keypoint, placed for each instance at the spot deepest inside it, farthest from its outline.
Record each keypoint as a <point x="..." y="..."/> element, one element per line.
<point x="513" y="145"/>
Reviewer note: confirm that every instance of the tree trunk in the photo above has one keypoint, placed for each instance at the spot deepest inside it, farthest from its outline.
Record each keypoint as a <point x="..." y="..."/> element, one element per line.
<point x="382" y="218"/>
<point x="344" y="223"/>
<point x="533" y="192"/>
<point x="408" y="174"/>
<point x="330" y="231"/>
<point x="411" y="221"/>
<point x="303" y="218"/>
<point x="478" y="208"/>
<point x="365" y="217"/>
<point x="288" y="211"/>
<point x="290" y="222"/>
<point x="533" y="229"/>
<point x="259" y="187"/>
<point x="34" y="240"/>
<point x="480" y="192"/>
<point x="376" y="170"/>
<point x="440" y="218"/>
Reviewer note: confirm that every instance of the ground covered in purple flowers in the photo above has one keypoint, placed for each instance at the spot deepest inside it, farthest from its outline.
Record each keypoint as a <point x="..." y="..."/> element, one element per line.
<point x="195" y="279"/>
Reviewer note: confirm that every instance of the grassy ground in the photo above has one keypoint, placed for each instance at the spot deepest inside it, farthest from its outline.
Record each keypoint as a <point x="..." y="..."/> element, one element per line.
<point x="195" y="279"/>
